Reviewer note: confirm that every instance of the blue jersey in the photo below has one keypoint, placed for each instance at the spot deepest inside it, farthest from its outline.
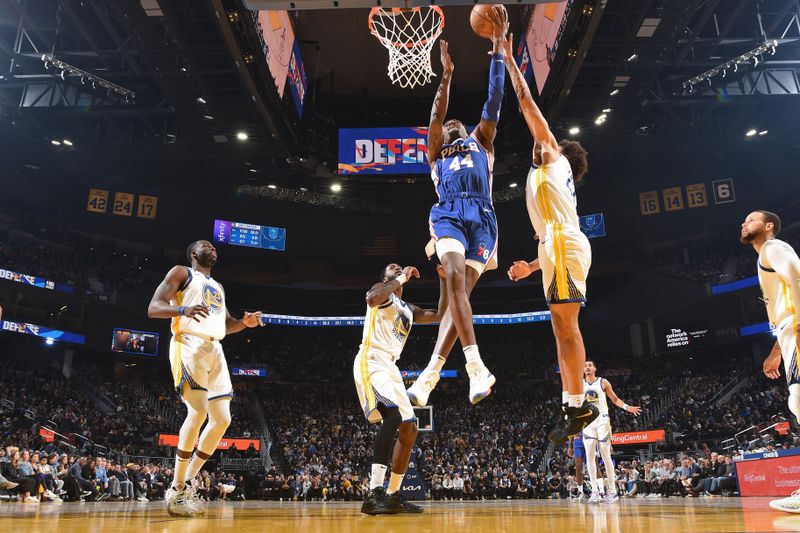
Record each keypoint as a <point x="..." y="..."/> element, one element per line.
<point x="464" y="166"/>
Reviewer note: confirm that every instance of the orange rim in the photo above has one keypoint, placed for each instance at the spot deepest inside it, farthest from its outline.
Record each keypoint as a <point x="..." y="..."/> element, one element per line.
<point x="397" y="10"/>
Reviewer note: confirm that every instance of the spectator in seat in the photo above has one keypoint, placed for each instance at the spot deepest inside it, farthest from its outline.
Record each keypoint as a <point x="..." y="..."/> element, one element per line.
<point x="458" y="487"/>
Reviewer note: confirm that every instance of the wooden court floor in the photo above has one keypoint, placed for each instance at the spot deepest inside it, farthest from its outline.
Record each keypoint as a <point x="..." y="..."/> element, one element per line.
<point x="673" y="515"/>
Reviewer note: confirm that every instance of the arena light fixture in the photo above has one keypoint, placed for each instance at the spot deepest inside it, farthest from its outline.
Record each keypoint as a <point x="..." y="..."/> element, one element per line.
<point x="763" y="132"/>
<point x="513" y="185"/>
<point x="750" y="133"/>
<point x="633" y="57"/>
<point x="336" y="187"/>
<point x="607" y="110"/>
<point x="242" y="136"/>
<point x="208" y="117"/>
<point x="201" y="100"/>
<point x="55" y="142"/>
<point x="65" y="69"/>
<point x="48" y="341"/>
<point x="67" y="142"/>
<point x="615" y="92"/>
<point x="271" y="186"/>
<point x="574" y="130"/>
<point x="754" y="56"/>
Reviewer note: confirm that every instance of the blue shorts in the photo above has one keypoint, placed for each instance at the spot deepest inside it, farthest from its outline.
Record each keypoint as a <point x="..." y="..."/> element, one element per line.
<point x="578" y="451"/>
<point x="471" y="220"/>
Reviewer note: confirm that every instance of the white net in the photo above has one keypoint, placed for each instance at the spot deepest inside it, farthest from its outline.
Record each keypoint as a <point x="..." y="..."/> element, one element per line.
<point x="409" y="35"/>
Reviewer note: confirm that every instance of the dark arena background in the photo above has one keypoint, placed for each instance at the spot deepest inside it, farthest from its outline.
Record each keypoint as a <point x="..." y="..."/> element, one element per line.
<point x="131" y="128"/>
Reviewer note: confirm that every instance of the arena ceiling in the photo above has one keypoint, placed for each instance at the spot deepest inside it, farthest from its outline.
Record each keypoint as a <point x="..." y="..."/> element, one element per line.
<point x="198" y="81"/>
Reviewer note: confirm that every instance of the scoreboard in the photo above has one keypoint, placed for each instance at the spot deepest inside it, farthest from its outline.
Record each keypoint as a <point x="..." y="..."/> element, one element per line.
<point x="250" y="235"/>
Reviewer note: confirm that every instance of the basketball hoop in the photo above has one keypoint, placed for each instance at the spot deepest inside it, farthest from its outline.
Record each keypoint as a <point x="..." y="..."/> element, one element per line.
<point x="409" y="35"/>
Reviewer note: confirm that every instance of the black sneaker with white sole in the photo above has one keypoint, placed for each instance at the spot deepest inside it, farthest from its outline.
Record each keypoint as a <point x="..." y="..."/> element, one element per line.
<point x="576" y="419"/>
<point x="377" y="502"/>
<point x="396" y="500"/>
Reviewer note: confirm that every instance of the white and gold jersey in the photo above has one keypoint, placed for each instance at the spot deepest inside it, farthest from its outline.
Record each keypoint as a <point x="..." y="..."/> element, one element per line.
<point x="595" y="394"/>
<point x="201" y="289"/>
<point x="550" y="197"/>
<point x="777" y="295"/>
<point x="386" y="328"/>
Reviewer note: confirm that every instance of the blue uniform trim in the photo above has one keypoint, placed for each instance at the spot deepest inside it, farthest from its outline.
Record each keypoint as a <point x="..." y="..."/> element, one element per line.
<point x="414" y="419"/>
<point x="762" y="267"/>
<point x="187" y="379"/>
<point x="188" y="279"/>
<point x="578" y="450"/>
<point x="226" y="395"/>
<point x="449" y="197"/>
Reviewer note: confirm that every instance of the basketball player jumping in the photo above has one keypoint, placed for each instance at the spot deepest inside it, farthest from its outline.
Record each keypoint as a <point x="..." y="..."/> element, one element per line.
<point x="463" y="224"/>
<point x="564" y="252"/>
<point x="779" y="277"/>
<point x="195" y="303"/>
<point x="380" y="386"/>
<point x="597" y="389"/>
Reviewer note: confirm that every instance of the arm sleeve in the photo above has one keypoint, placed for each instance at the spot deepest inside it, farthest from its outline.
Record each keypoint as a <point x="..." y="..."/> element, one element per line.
<point x="497" y="79"/>
<point x="786" y="264"/>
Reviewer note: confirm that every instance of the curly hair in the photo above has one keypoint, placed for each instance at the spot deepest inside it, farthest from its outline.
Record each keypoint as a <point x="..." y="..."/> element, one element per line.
<point x="577" y="157"/>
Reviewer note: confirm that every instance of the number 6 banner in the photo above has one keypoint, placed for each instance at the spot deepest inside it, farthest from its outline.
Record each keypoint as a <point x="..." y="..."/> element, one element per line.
<point x="723" y="191"/>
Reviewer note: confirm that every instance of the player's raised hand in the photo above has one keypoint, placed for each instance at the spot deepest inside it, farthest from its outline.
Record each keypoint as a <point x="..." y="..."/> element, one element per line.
<point x="508" y="46"/>
<point x="252" y="320"/>
<point x="522" y="269"/>
<point x="194" y="311"/>
<point x="411" y="272"/>
<point x="447" y="63"/>
<point x="499" y="18"/>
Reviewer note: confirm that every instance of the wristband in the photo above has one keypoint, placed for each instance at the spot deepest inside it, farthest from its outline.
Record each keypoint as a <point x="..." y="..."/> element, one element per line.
<point x="181" y="310"/>
<point x="402" y="279"/>
<point x="625" y="406"/>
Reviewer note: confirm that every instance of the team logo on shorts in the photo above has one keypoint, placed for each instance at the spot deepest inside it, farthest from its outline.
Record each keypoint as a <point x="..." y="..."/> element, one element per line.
<point x="402" y="326"/>
<point x="483" y="251"/>
<point x="212" y="298"/>
<point x="592" y="396"/>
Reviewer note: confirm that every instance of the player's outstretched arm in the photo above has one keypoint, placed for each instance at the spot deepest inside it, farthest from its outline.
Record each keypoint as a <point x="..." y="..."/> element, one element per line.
<point x="523" y="269"/>
<point x="537" y="124"/>
<point x="487" y="127"/>
<point x="609" y="390"/>
<point x="428" y="316"/>
<point x="159" y="306"/>
<point x="380" y="292"/>
<point x="440" y="103"/>
<point x="249" y="320"/>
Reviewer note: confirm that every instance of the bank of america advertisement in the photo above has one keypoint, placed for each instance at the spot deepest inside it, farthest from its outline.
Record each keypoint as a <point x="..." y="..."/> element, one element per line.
<point x="383" y="151"/>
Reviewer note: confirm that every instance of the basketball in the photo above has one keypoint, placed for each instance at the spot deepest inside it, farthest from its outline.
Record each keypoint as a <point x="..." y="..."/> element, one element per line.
<point x="480" y="20"/>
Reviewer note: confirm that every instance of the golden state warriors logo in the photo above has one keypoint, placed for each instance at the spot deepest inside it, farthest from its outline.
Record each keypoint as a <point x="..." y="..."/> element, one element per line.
<point x="212" y="298"/>
<point x="401" y="327"/>
<point x="591" y="396"/>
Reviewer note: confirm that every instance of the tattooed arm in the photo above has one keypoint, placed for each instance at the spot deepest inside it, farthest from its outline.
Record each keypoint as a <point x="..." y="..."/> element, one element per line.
<point x="533" y="116"/>
<point x="435" y="130"/>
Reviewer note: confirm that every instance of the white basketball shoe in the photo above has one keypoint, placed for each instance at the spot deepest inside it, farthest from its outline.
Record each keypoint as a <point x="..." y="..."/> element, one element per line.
<point x="480" y="381"/>
<point x="177" y="502"/>
<point x="420" y="391"/>
<point x="790" y="504"/>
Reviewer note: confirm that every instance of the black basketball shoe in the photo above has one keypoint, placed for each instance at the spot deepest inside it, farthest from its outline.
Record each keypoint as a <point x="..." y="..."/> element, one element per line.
<point x="378" y="502"/>
<point x="576" y="419"/>
<point x="396" y="500"/>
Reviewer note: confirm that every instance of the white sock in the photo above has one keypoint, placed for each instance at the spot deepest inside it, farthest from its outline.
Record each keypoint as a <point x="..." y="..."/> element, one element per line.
<point x="436" y="363"/>
<point x="472" y="354"/>
<point x="378" y="476"/>
<point x="181" y="466"/>
<point x="194" y="467"/>
<point x="395" y="480"/>
<point x="564" y="397"/>
<point x="575" y="400"/>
